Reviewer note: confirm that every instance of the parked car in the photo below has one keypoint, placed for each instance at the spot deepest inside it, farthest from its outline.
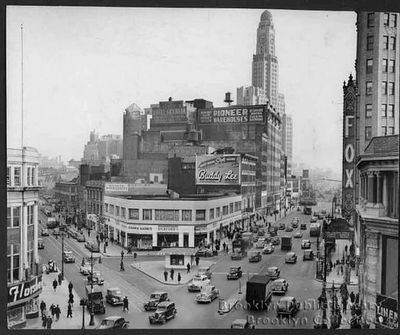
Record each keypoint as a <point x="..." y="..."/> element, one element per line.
<point x="96" y="278"/>
<point x="275" y="240"/>
<point x="80" y="237"/>
<point x="305" y="244"/>
<point x="165" y="311"/>
<point x="279" y="286"/>
<point x="242" y="324"/>
<point x="273" y="272"/>
<point x="289" y="228"/>
<point x="113" y="322"/>
<point x="313" y="219"/>
<point x="308" y="255"/>
<point x="295" y="222"/>
<point x="114" y="296"/>
<point x="40" y="243"/>
<point x="298" y="234"/>
<point x="204" y="253"/>
<point x="91" y="246"/>
<point x="287" y="306"/>
<point x="235" y="272"/>
<point x="291" y="257"/>
<point x="198" y="281"/>
<point x="85" y="269"/>
<point x="237" y="255"/>
<point x="254" y="256"/>
<point x="68" y="257"/>
<point x="303" y="226"/>
<point x="205" y="270"/>
<point x="268" y="249"/>
<point x="56" y="232"/>
<point x="207" y="294"/>
<point x="260" y="243"/>
<point x="282" y="226"/>
<point x="155" y="299"/>
<point x="45" y="232"/>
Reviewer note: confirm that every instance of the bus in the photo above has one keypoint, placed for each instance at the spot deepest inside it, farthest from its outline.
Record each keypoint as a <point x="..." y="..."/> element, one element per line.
<point x="315" y="229"/>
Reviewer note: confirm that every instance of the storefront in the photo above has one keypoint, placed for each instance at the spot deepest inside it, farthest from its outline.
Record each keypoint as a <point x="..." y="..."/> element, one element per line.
<point x="179" y="258"/>
<point x="200" y="235"/>
<point x="23" y="302"/>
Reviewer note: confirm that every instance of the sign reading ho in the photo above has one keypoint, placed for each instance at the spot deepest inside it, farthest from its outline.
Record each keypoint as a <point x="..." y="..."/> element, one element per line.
<point x="114" y="187"/>
<point x="169" y="115"/>
<point x="24" y="291"/>
<point x="232" y="115"/>
<point x="218" y="170"/>
<point x="386" y="312"/>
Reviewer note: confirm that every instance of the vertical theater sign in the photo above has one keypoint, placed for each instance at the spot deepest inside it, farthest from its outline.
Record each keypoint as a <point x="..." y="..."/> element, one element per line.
<point x="349" y="132"/>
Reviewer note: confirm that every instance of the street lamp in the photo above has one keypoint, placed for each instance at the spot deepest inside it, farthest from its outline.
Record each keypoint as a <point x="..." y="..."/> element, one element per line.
<point x="62" y="249"/>
<point x="91" y="323"/>
<point x="83" y="303"/>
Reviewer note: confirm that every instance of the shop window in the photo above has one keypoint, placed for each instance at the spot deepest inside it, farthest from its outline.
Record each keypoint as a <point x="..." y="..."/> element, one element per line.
<point x="147" y="214"/>
<point x="15" y="316"/>
<point x="177" y="260"/>
<point x="225" y="210"/>
<point x="186" y="215"/>
<point x="211" y="213"/>
<point x="17" y="176"/>
<point x="200" y="214"/>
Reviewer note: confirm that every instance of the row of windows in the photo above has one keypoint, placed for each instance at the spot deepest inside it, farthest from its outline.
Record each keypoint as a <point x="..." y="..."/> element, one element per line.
<point x="387" y="65"/>
<point x="173" y="214"/>
<point x="14" y="216"/>
<point x="385" y="131"/>
<point x="14" y="177"/>
<point x="386" y="110"/>
<point x="386" y="88"/>
<point x="389" y="20"/>
<point x="389" y="42"/>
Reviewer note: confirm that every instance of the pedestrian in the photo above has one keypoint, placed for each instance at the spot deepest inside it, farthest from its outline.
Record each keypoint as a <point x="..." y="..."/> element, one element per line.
<point x="197" y="260"/>
<point x="125" y="304"/>
<point x="122" y="254"/>
<point x="59" y="279"/>
<point x="344" y="303"/>
<point x="337" y="270"/>
<point x="357" y="298"/>
<point x="179" y="277"/>
<point x="70" y="287"/>
<point x="44" y="321"/>
<point x="331" y="265"/>
<point x="188" y="267"/>
<point x="165" y="275"/>
<point x="49" y="322"/>
<point x="341" y="269"/>
<point x="345" y="249"/>
<point x="352" y="297"/>
<point x="69" y="311"/>
<point x="52" y="307"/>
<point x="88" y="232"/>
<point x="71" y="299"/>
<point x="42" y="307"/>
<point x="122" y="266"/>
<point x="224" y="246"/>
<point x="57" y="312"/>
<point x="334" y="264"/>
<point x="172" y="274"/>
<point x="55" y="284"/>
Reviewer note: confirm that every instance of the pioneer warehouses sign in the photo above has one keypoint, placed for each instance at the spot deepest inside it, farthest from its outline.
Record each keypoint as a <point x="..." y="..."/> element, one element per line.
<point x="237" y="114"/>
<point x="218" y="170"/>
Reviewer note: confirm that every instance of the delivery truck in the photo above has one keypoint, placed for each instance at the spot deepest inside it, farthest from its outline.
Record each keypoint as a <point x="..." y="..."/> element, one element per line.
<point x="258" y="292"/>
<point x="95" y="299"/>
<point x="286" y="243"/>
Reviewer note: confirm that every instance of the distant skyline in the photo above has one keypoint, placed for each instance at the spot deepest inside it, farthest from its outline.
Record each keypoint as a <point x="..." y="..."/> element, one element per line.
<point x="84" y="65"/>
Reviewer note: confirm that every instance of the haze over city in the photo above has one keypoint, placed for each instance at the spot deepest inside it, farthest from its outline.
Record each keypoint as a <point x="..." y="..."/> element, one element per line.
<point x="84" y="66"/>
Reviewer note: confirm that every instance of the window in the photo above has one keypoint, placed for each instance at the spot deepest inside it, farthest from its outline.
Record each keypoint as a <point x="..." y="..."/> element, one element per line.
<point x="134" y="213"/>
<point x="369" y="65"/>
<point x="117" y="210"/>
<point x="368" y="110"/>
<point x="16" y="216"/>
<point x="112" y="209"/>
<point x="368" y="88"/>
<point x="391" y="110"/>
<point x="385" y="42"/>
<point x="368" y="133"/>
<point x="384" y="87"/>
<point x="391" y="88"/>
<point x="211" y="213"/>
<point x="13" y="262"/>
<point x="384" y="131"/>
<point x="166" y="215"/>
<point x="392" y="43"/>
<point x="225" y="210"/>
<point x="384" y="110"/>
<point x="393" y="20"/>
<point x="186" y="215"/>
<point x="391" y="65"/>
<point x="28" y="177"/>
<point x="17" y="176"/>
<point x="33" y="179"/>
<point x="8" y="176"/>
<point x="9" y="218"/>
<point x="386" y="19"/>
<point x="385" y="65"/>
<point x="391" y="131"/>
<point x="231" y="207"/>
<point x="30" y="215"/>
<point x="370" y="42"/>
<point x="218" y="212"/>
<point x="123" y="212"/>
<point x="200" y="214"/>
<point x="371" y="18"/>
<point x="106" y="208"/>
<point x="147" y="214"/>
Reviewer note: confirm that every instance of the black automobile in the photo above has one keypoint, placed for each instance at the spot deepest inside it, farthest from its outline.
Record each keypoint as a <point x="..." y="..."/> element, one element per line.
<point x="275" y="240"/>
<point x="289" y="228"/>
<point x="287" y="306"/>
<point x="237" y="255"/>
<point x="113" y="322"/>
<point x="114" y="296"/>
<point x="91" y="246"/>
<point x="45" y="232"/>
<point x="303" y="226"/>
<point x="282" y="226"/>
<point x="308" y="255"/>
<point x="235" y="272"/>
<point x="204" y="253"/>
<point x="165" y="311"/>
<point x="155" y="299"/>
<point x="254" y="256"/>
<point x="40" y="243"/>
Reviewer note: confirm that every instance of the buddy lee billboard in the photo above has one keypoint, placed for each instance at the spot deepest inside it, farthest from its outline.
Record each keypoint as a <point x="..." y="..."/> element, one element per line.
<point x="218" y="170"/>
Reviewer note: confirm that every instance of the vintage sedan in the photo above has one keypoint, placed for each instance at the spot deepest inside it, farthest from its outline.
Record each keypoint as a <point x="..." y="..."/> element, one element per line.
<point x="205" y="270"/>
<point x="254" y="256"/>
<point x="91" y="246"/>
<point x="260" y="243"/>
<point x="287" y="306"/>
<point x="303" y="226"/>
<point x="279" y="286"/>
<point x="308" y="255"/>
<point x="242" y="324"/>
<point x="275" y="240"/>
<point x="155" y="299"/>
<point x="114" y="296"/>
<point x="289" y="228"/>
<point x="273" y="272"/>
<point x="113" y="322"/>
<point x="96" y="278"/>
<point x="197" y="283"/>
<point x="45" y="232"/>
<point x="207" y="294"/>
<point x="298" y="234"/>
<point x="80" y="237"/>
<point x="235" y="272"/>
<point x="85" y="269"/>
<point x="305" y="244"/>
<point x="68" y="257"/>
<point x="291" y="257"/>
<point x="282" y="226"/>
<point x="313" y="219"/>
<point x="268" y="249"/>
<point x="165" y="311"/>
<point x="40" y="243"/>
<point x="237" y="256"/>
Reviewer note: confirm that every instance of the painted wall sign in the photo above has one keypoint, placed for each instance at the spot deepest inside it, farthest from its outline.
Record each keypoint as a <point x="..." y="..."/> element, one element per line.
<point x="218" y="170"/>
<point x="232" y="115"/>
<point x="386" y="312"/>
<point x="24" y="291"/>
<point x="115" y="187"/>
<point x="168" y="115"/>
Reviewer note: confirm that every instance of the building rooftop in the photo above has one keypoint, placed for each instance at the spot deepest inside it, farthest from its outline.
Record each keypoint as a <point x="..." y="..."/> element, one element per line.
<point x="383" y="146"/>
<point x="187" y="197"/>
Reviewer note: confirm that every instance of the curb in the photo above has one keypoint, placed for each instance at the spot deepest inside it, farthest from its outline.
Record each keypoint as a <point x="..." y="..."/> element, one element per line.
<point x="160" y="281"/>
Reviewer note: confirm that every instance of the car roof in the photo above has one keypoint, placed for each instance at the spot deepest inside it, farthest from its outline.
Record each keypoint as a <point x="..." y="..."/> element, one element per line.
<point x="113" y="318"/>
<point x="291" y="253"/>
<point x="165" y="303"/>
<point x="239" y="322"/>
<point x="272" y="268"/>
<point x="113" y="288"/>
<point x="159" y="292"/>
<point x="279" y="280"/>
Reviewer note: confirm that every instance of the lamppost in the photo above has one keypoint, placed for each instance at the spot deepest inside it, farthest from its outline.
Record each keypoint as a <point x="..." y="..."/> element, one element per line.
<point x="91" y="323"/>
<point x="83" y="303"/>
<point x="62" y="248"/>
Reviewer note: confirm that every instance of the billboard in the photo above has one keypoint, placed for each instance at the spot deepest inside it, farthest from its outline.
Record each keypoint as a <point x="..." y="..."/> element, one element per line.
<point x="168" y="115"/>
<point x="115" y="187"/>
<point x="386" y="312"/>
<point x="218" y="170"/>
<point x="236" y="114"/>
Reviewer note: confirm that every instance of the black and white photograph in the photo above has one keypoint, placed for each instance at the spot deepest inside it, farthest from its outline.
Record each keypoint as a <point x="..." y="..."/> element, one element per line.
<point x="202" y="168"/>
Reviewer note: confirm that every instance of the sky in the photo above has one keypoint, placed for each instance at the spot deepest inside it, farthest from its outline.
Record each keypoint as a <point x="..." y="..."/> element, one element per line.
<point x="82" y="66"/>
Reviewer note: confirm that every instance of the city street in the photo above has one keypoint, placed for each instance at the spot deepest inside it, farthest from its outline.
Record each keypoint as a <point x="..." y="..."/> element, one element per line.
<point x="137" y="286"/>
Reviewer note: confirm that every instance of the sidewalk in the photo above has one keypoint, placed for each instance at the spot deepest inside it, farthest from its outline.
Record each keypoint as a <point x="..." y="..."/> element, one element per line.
<point x="155" y="270"/>
<point x="60" y="297"/>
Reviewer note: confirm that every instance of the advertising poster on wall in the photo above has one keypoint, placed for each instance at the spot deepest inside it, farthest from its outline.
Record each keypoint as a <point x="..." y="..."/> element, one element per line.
<point x="218" y="170"/>
<point x="235" y="114"/>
